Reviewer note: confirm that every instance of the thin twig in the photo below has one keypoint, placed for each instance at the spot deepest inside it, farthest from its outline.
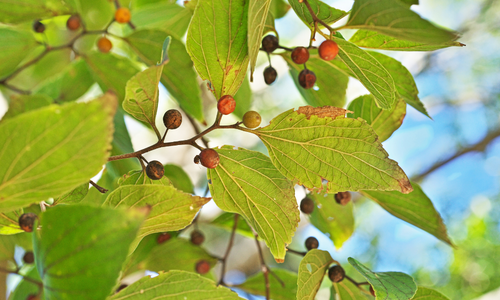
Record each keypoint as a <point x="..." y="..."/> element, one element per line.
<point x="297" y="252"/>
<point x="40" y="284"/>
<point x="196" y="129"/>
<point x="265" y="269"/>
<point x="15" y="89"/>
<point x="228" y="249"/>
<point x="99" y="188"/>
<point x="315" y="18"/>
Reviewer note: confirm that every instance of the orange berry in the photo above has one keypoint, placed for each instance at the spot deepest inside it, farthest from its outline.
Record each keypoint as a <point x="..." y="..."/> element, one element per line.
<point x="328" y="50"/>
<point x="226" y="104"/>
<point x="26" y="221"/>
<point x="300" y="55"/>
<point x="104" y="45"/>
<point x="202" y="267"/>
<point x="209" y="158"/>
<point x="122" y="15"/>
<point x="73" y="23"/>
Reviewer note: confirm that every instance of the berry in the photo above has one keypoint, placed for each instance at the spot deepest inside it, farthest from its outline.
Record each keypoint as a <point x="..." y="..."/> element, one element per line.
<point x="307" y="205"/>
<point x="155" y="170"/>
<point x="122" y="15"/>
<point x="328" y="50"/>
<point x="202" y="267"/>
<point x="26" y="221"/>
<point x="162" y="238"/>
<point x="270" y="75"/>
<point x="336" y="273"/>
<point x="73" y="23"/>
<point x="197" y="237"/>
<point x="172" y="119"/>
<point x="372" y="291"/>
<point x="38" y="26"/>
<point x="104" y="45"/>
<point x="307" y="78"/>
<point x="343" y="198"/>
<point x="226" y="104"/>
<point x="209" y="158"/>
<point x="300" y="55"/>
<point x="28" y="257"/>
<point x="251" y="119"/>
<point x="197" y="159"/>
<point x="270" y="43"/>
<point x="312" y="243"/>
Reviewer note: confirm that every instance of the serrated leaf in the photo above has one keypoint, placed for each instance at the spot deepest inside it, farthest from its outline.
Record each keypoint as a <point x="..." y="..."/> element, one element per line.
<point x="334" y="220"/>
<point x="375" y="40"/>
<point x="247" y="183"/>
<point x="424" y="293"/>
<point x="323" y="11"/>
<point x="384" y="122"/>
<point x="50" y="151"/>
<point x="175" y="285"/>
<point x="15" y="45"/>
<point x="141" y="96"/>
<point x="70" y="84"/>
<point x="170" y="209"/>
<point x="79" y="244"/>
<point x="346" y="290"/>
<point x="75" y="196"/>
<point x="258" y="11"/>
<point x="405" y="84"/>
<point x="177" y="254"/>
<point x="165" y="15"/>
<point x="9" y="222"/>
<point x="243" y="99"/>
<point x="313" y="144"/>
<point x="24" y="103"/>
<point x="331" y="83"/>
<point x="393" y="18"/>
<point x="255" y="285"/>
<point x="387" y="285"/>
<point x="415" y="208"/>
<point x="369" y="72"/>
<point x="111" y="72"/>
<point x="279" y="8"/>
<point x="28" y="10"/>
<point x="220" y="51"/>
<point x="180" y="180"/>
<point x="312" y="269"/>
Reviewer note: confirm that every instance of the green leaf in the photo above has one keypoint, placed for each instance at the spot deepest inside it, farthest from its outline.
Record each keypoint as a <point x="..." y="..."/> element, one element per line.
<point x="8" y="244"/>
<point x="346" y="290"/>
<point x="369" y="72"/>
<point x="279" y="8"/>
<point x="78" y="244"/>
<point x="415" y="208"/>
<point x="9" y="222"/>
<point x="243" y="99"/>
<point x="313" y="144"/>
<point x="257" y="15"/>
<point x="247" y="183"/>
<point x="393" y="18"/>
<point x="255" y="285"/>
<point x="147" y="44"/>
<point x="20" y="104"/>
<point x="28" y="10"/>
<point x="170" y="209"/>
<point x="177" y="254"/>
<point x="43" y="159"/>
<point x="323" y="11"/>
<point x="405" y="84"/>
<point x="220" y="51"/>
<point x="70" y="84"/>
<point x="15" y="45"/>
<point x="111" y="72"/>
<point x="181" y="80"/>
<point x="95" y="14"/>
<point x="75" y="196"/>
<point x="226" y="221"/>
<point x="179" y="178"/>
<point x="141" y="96"/>
<point x="375" y="40"/>
<point x="409" y="2"/>
<point x="424" y="293"/>
<point x="135" y="260"/>
<point x="175" y="285"/>
<point x="387" y="285"/>
<point x="26" y="288"/>
<point x="334" y="220"/>
<point x="138" y="177"/>
<point x="331" y="84"/>
<point x="384" y="122"/>
<point x="312" y="269"/>
<point x="165" y="15"/>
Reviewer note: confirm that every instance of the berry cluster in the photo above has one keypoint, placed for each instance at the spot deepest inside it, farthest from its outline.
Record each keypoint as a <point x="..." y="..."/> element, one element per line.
<point x="328" y="50"/>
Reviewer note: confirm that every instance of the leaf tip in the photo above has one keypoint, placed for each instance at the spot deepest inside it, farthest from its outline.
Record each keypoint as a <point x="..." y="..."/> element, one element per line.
<point x="280" y="260"/>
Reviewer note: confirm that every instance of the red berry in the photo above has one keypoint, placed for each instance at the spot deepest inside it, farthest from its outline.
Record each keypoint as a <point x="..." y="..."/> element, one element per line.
<point x="172" y="119"/>
<point x="202" y="267"/>
<point x="209" y="158"/>
<point x="270" y="43"/>
<point x="300" y="55"/>
<point x="307" y="78"/>
<point x="26" y="221"/>
<point x="162" y="238"/>
<point x="226" y="104"/>
<point x="328" y="50"/>
<point x="122" y="15"/>
<point x="104" y="45"/>
<point x="73" y="23"/>
<point x="270" y="75"/>
<point x="197" y="237"/>
<point x="336" y="273"/>
<point x="38" y="26"/>
<point x="343" y="198"/>
<point x="155" y="170"/>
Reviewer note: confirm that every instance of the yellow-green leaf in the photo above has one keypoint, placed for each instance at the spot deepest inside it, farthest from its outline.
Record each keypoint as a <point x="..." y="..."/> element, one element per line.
<point x="258" y="11"/>
<point x="346" y="290"/>
<point x="15" y="45"/>
<point x="23" y="103"/>
<point x="312" y="269"/>
<point x="424" y="293"/>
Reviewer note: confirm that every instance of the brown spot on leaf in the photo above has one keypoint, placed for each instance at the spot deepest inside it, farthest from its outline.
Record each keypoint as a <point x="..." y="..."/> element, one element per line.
<point x="280" y="260"/>
<point x="322" y="112"/>
<point x="405" y="185"/>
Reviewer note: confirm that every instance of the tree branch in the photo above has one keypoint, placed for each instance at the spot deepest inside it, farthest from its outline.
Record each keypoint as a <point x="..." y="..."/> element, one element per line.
<point x="265" y="269"/>
<point x="228" y="249"/>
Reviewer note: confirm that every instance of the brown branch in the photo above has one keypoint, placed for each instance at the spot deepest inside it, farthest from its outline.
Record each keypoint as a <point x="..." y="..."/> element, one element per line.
<point x="40" y="284"/>
<point x="99" y="188"/>
<point x="316" y="19"/>
<point x="477" y="147"/>
<point x="15" y="89"/>
<point x="265" y="269"/>
<point x="228" y="249"/>
<point x="197" y="130"/>
<point x="297" y="252"/>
